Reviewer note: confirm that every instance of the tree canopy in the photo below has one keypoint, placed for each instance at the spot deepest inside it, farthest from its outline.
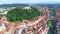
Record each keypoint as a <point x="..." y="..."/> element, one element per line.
<point x="18" y="14"/>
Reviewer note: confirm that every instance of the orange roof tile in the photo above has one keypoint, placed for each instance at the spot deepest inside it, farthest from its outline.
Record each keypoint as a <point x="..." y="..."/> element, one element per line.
<point x="10" y="24"/>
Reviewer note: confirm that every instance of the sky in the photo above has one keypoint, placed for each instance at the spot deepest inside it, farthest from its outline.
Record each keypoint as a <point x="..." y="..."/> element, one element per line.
<point x="28" y="1"/>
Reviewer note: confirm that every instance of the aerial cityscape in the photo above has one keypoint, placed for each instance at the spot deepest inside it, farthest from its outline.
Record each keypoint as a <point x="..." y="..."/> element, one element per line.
<point x="29" y="18"/>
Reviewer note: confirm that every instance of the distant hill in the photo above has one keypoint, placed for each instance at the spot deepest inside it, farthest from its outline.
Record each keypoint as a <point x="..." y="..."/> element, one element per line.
<point x="12" y="5"/>
<point x="37" y="4"/>
<point x="48" y="5"/>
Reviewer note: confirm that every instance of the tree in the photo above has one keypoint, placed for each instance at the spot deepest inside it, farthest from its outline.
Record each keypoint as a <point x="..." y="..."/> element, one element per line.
<point x="18" y="14"/>
<point x="49" y="23"/>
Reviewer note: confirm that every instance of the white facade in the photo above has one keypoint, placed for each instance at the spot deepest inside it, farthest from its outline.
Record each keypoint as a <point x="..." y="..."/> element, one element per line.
<point x="5" y="10"/>
<point x="2" y="27"/>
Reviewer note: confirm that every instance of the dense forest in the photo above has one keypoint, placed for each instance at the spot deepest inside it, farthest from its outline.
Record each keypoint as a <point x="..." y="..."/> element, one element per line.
<point x="18" y="14"/>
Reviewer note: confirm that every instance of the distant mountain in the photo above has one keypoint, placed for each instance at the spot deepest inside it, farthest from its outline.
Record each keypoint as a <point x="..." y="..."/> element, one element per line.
<point x="12" y="5"/>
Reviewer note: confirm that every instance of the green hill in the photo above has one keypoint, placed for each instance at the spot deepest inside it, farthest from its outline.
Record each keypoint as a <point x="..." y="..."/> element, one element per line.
<point x="16" y="15"/>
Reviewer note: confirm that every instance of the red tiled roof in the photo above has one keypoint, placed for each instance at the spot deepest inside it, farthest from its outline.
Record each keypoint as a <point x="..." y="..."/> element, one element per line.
<point x="1" y="32"/>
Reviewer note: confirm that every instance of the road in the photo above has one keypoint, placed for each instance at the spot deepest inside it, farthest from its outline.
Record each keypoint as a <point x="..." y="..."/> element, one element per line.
<point x="24" y="26"/>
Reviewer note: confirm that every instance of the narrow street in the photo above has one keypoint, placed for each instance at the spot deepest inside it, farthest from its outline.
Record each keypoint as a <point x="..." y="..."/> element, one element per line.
<point x="46" y="31"/>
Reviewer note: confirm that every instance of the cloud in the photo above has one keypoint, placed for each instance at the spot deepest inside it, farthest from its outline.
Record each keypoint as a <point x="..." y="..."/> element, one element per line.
<point x="28" y="1"/>
<point x="38" y="1"/>
<point x="3" y="0"/>
<point x="8" y="1"/>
